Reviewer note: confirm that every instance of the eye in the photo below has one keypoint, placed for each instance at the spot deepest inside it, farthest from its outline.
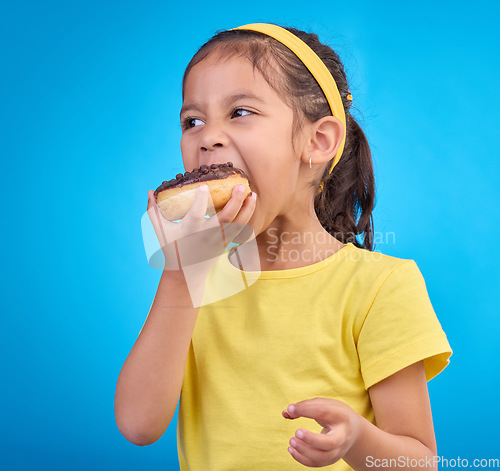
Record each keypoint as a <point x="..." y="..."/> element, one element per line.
<point x="192" y="122"/>
<point x="239" y="112"/>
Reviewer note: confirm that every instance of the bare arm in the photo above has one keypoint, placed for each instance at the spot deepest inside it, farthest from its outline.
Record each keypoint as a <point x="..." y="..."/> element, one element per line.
<point x="404" y="435"/>
<point x="150" y="381"/>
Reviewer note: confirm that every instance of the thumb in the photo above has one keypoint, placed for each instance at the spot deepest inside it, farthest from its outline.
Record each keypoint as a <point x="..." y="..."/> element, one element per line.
<point x="151" y="196"/>
<point x="320" y="409"/>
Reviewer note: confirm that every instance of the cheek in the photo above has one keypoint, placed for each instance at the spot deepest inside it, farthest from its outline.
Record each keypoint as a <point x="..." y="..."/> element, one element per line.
<point x="187" y="154"/>
<point x="184" y="144"/>
<point x="273" y="184"/>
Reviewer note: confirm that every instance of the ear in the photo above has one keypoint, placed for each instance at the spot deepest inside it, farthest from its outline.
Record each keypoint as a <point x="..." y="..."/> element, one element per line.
<point x="325" y="137"/>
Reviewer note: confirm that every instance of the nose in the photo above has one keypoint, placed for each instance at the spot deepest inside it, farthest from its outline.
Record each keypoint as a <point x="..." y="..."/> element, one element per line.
<point x="213" y="137"/>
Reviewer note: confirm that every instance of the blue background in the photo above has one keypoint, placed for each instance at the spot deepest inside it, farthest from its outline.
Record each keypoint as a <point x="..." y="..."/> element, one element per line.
<point x="89" y="102"/>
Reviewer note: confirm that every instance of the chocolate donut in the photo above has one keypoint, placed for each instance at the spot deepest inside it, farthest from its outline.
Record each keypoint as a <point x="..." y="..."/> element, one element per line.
<point x="175" y="197"/>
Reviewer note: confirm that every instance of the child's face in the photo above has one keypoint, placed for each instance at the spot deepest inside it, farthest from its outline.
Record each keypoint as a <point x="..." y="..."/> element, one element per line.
<point x="230" y="113"/>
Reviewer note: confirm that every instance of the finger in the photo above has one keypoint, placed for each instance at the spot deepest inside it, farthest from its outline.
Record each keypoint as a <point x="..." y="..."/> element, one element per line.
<point x="319" y="441"/>
<point x="233" y="206"/>
<point x="306" y="459"/>
<point x="247" y="209"/>
<point x="244" y="232"/>
<point x="149" y="200"/>
<point x="198" y="209"/>
<point x="238" y="230"/>
<point x="151" y="197"/>
<point x="166" y="231"/>
<point x="155" y="218"/>
<point x="324" y="412"/>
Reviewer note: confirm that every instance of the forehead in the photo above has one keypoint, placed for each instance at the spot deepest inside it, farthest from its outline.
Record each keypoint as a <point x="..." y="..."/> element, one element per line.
<point x="217" y="75"/>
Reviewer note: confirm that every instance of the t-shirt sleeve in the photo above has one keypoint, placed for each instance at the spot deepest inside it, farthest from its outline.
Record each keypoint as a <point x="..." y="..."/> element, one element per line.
<point x="401" y="328"/>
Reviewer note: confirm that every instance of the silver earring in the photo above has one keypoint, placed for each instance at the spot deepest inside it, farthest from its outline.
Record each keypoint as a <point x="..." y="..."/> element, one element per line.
<point x="310" y="162"/>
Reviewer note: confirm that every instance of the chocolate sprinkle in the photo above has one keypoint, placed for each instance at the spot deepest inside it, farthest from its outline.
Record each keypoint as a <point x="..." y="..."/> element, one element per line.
<point x="204" y="173"/>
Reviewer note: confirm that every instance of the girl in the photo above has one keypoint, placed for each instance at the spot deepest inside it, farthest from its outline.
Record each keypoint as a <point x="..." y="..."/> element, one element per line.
<point x="321" y="356"/>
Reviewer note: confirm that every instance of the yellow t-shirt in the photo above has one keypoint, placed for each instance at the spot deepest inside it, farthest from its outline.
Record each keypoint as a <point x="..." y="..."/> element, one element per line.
<point x="331" y="329"/>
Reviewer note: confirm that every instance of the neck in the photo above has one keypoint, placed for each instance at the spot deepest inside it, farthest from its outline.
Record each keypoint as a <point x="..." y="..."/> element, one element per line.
<point x="283" y="247"/>
<point x="296" y="239"/>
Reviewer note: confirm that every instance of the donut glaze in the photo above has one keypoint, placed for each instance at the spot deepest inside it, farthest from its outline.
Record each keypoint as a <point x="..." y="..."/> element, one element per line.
<point x="175" y="197"/>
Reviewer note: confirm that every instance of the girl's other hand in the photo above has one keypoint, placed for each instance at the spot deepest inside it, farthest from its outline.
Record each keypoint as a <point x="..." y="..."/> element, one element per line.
<point x="340" y="431"/>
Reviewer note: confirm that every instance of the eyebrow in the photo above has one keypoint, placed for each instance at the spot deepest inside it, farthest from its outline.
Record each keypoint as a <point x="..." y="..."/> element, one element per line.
<point x="227" y="101"/>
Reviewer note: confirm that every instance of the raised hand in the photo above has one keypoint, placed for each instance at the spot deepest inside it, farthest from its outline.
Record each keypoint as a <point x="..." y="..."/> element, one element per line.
<point x="199" y="238"/>
<point x="194" y="244"/>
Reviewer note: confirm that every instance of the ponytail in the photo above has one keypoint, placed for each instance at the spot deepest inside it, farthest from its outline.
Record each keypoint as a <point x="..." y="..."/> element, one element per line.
<point x="344" y="206"/>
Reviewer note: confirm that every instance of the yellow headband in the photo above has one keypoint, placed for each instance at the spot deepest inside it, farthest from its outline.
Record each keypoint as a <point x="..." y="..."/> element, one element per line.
<point x="317" y="68"/>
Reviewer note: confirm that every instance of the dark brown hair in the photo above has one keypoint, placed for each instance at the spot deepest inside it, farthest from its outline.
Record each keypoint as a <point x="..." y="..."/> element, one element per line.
<point x="344" y="207"/>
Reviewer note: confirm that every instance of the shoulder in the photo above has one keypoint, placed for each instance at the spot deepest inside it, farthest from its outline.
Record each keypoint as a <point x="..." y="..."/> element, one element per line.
<point x="395" y="324"/>
<point x="371" y="257"/>
<point x="366" y="267"/>
<point x="373" y="279"/>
